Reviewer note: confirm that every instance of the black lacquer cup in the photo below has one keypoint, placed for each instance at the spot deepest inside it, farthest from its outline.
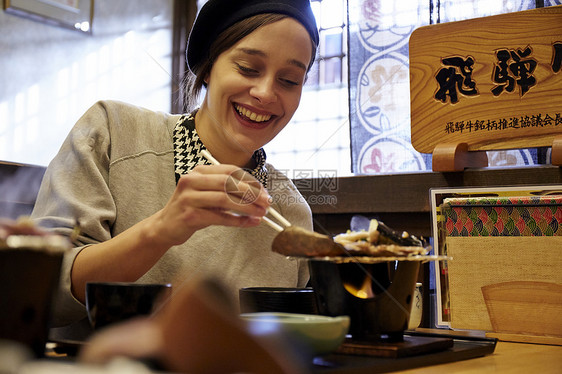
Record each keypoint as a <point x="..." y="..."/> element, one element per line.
<point x="278" y="299"/>
<point x="108" y="303"/>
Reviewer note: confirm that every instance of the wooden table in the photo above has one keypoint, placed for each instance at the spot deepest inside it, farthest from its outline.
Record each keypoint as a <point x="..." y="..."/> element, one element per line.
<point x="507" y="358"/>
<point x="472" y="353"/>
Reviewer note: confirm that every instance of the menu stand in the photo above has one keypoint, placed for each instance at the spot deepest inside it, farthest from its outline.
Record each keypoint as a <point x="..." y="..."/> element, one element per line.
<point x="556" y="153"/>
<point x="456" y="157"/>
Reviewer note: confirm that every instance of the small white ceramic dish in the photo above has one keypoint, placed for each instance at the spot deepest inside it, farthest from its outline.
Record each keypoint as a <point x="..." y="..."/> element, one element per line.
<point x="321" y="334"/>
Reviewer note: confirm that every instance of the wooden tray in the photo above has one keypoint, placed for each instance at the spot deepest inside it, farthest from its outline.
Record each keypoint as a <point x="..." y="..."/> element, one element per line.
<point x="412" y="345"/>
<point x="463" y="348"/>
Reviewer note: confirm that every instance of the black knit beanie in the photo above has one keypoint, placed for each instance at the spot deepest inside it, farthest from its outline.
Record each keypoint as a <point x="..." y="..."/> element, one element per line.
<point x="218" y="15"/>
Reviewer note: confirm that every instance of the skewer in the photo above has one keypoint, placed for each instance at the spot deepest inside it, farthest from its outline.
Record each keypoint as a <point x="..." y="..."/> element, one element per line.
<point x="270" y="210"/>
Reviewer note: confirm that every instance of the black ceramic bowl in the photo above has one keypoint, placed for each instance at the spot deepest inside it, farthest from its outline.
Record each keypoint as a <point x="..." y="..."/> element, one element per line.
<point x="111" y="302"/>
<point x="277" y="299"/>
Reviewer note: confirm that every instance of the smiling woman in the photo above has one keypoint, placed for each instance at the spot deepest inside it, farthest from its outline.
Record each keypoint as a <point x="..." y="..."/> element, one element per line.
<point x="255" y="79"/>
<point x="151" y="208"/>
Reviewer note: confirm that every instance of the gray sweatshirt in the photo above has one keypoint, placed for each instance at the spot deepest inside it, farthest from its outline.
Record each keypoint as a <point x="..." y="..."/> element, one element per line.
<point x="116" y="168"/>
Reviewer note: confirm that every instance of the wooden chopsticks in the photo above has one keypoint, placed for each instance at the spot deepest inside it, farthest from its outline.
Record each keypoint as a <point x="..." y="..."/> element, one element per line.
<point x="284" y="222"/>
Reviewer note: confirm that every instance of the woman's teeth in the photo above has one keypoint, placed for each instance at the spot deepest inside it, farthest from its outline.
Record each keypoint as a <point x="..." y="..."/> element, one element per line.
<point x="251" y="115"/>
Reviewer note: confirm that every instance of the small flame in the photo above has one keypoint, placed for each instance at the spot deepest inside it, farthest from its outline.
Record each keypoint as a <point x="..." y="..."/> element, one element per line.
<point x="365" y="291"/>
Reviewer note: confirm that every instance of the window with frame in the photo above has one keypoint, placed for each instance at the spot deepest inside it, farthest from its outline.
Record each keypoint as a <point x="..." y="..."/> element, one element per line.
<point x="316" y="142"/>
<point x="331" y="63"/>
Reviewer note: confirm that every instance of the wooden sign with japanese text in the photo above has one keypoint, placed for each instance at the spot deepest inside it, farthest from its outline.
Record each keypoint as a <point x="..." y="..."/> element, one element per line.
<point x="492" y="83"/>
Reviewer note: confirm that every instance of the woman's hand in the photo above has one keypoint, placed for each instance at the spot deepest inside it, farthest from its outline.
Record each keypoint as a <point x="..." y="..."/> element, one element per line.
<point x="210" y="195"/>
